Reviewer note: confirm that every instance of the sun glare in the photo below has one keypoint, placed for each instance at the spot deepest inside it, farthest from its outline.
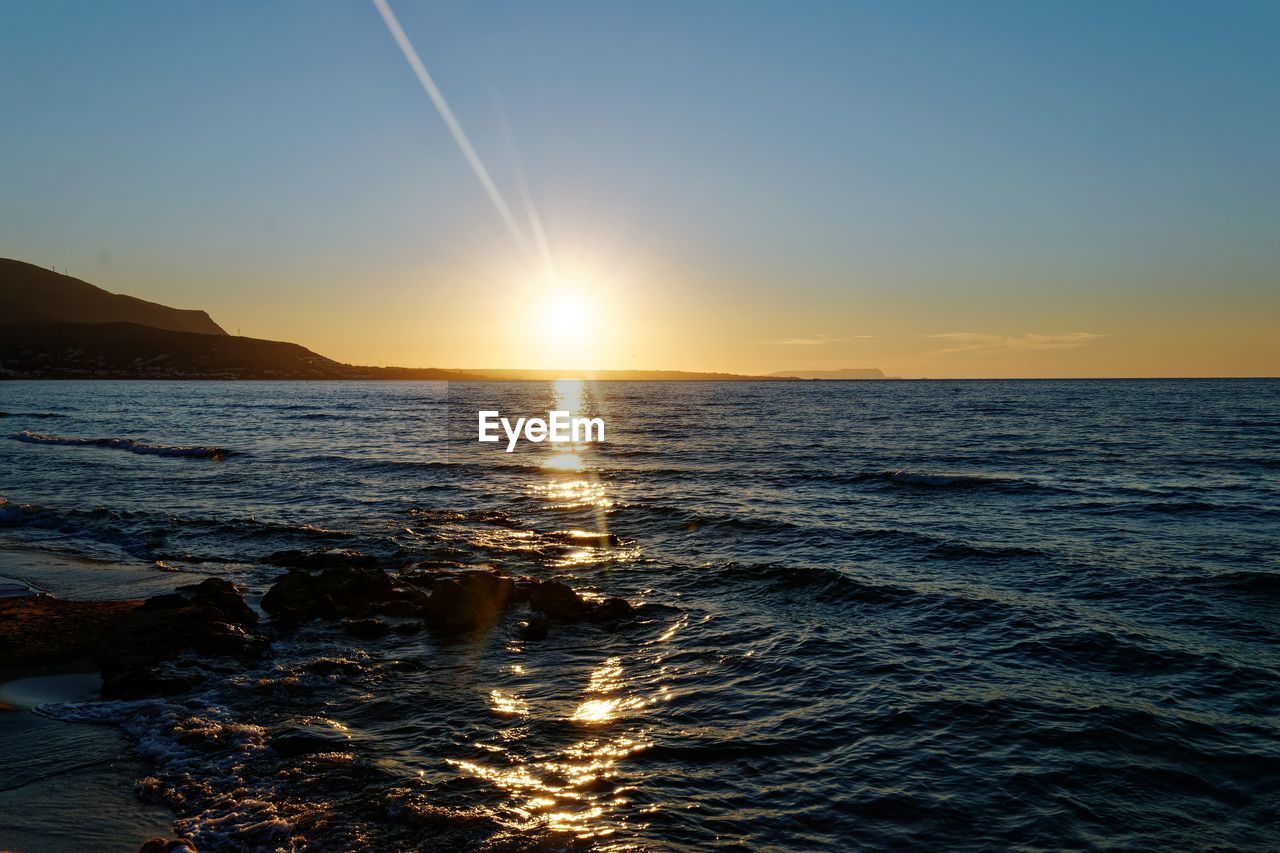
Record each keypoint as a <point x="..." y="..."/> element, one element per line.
<point x="566" y="320"/>
<point x="566" y="317"/>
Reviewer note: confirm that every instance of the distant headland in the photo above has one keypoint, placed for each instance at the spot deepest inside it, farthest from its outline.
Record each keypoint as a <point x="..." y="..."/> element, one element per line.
<point x="54" y="326"/>
<point x="846" y="373"/>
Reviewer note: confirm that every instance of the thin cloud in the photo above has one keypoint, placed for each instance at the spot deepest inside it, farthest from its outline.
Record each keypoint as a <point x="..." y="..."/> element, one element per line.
<point x="818" y="341"/>
<point x="978" y="341"/>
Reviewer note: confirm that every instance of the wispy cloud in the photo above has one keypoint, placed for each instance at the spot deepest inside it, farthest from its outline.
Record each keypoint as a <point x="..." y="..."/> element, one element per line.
<point x="818" y="341"/>
<point x="800" y="342"/>
<point x="974" y="341"/>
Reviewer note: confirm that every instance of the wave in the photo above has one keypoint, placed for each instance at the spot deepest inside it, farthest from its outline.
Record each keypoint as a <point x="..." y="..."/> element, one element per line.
<point x="32" y="415"/>
<point x="824" y="582"/>
<point x="965" y="550"/>
<point x="949" y="481"/>
<point x="922" y="479"/>
<point x="132" y="445"/>
<point x="1258" y="582"/>
<point x="105" y="532"/>
<point x="1094" y="648"/>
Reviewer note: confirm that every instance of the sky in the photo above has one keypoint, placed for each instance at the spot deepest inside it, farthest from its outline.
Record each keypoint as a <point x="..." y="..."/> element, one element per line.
<point x="984" y="189"/>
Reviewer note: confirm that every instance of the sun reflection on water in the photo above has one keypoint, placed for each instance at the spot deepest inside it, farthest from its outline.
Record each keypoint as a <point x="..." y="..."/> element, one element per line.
<point x="563" y="462"/>
<point x="578" y="788"/>
<point x="560" y="760"/>
<point x="573" y="494"/>
<point x="508" y="704"/>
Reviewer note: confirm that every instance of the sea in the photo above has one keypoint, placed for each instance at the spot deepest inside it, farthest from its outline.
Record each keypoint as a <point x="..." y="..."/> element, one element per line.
<point x="958" y="615"/>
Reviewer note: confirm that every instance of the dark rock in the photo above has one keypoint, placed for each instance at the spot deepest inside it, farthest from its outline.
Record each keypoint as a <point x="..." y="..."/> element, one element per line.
<point x="223" y="638"/>
<point x="299" y="597"/>
<point x="131" y="639"/>
<point x="223" y="596"/>
<point x="209" y="618"/>
<point x="367" y="629"/>
<point x="408" y="628"/>
<point x="558" y="601"/>
<point x="353" y="592"/>
<point x="561" y="602"/>
<point x="166" y="602"/>
<point x="467" y="600"/>
<point x="611" y="610"/>
<point x="407" y="602"/>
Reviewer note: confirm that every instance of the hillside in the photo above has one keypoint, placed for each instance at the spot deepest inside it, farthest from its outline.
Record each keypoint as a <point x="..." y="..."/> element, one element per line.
<point x="130" y="351"/>
<point x="32" y="294"/>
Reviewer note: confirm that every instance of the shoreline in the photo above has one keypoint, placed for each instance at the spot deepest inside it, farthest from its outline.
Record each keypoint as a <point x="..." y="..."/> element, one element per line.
<point x="65" y="785"/>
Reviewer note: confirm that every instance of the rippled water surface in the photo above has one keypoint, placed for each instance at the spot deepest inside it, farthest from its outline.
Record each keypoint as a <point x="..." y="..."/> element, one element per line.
<point x="890" y="614"/>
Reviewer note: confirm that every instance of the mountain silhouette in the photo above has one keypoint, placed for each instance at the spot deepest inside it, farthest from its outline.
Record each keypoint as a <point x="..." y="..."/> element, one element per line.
<point x="32" y="294"/>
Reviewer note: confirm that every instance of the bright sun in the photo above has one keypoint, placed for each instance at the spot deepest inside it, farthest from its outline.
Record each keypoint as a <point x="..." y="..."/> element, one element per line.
<point x="566" y="317"/>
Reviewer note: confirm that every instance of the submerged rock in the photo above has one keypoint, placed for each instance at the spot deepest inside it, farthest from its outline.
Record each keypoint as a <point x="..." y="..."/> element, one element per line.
<point x="468" y="600"/>
<point x="561" y="602"/>
<point x="168" y="845"/>
<point x="445" y="601"/>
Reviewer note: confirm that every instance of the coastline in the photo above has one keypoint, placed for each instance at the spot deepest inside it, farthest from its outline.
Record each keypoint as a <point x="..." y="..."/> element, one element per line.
<point x="66" y="786"/>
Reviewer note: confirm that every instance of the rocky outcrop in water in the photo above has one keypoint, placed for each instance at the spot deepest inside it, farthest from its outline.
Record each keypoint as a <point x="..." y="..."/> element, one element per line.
<point x="355" y="590"/>
<point x="210" y="619"/>
<point x="135" y="643"/>
<point x="168" y="845"/>
<point x="447" y="601"/>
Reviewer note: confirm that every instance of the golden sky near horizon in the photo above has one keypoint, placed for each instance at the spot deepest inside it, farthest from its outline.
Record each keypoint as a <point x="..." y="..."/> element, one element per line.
<point x="624" y="317"/>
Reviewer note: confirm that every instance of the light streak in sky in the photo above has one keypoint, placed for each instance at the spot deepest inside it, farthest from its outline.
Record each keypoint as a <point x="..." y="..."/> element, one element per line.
<point x="455" y="128"/>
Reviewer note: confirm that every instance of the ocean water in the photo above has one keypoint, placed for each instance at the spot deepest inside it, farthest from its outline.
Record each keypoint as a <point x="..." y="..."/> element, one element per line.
<point x="905" y="615"/>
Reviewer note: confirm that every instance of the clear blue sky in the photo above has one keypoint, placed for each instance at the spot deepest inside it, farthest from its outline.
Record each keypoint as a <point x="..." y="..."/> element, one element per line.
<point x="833" y="172"/>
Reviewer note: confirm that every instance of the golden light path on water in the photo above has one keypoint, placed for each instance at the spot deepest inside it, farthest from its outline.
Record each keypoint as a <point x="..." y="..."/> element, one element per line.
<point x="581" y="787"/>
<point x="575" y="485"/>
<point x="576" y="789"/>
